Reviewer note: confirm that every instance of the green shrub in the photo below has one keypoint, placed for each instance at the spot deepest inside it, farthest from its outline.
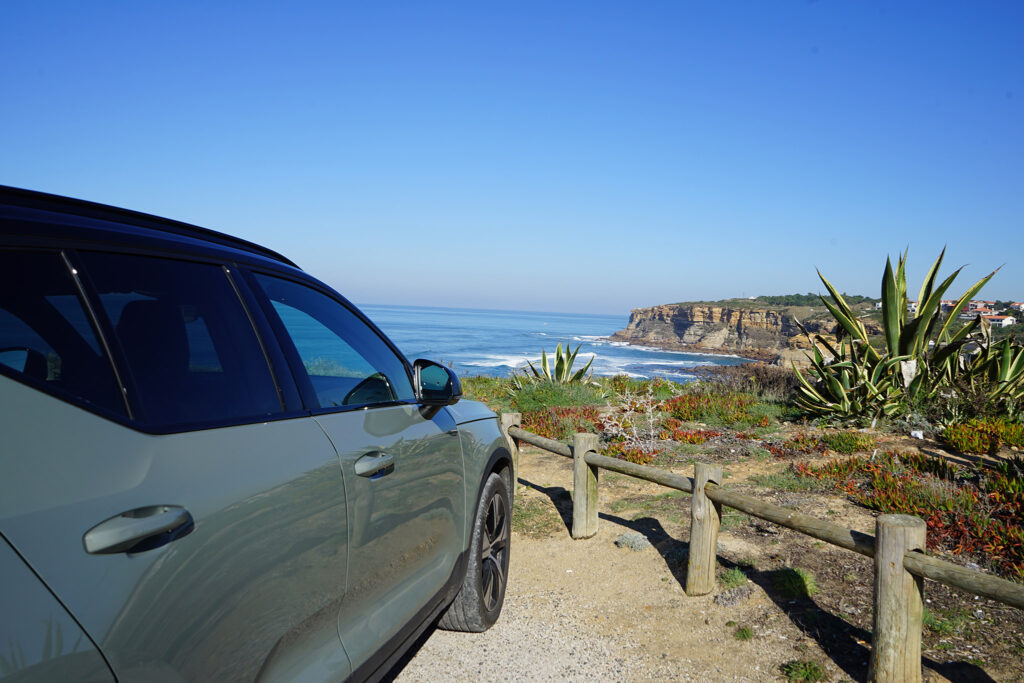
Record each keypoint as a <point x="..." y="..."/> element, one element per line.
<point x="983" y="436"/>
<point x="847" y="442"/>
<point x="492" y="391"/>
<point x="543" y="395"/>
<point x="732" y="578"/>
<point x="773" y="382"/>
<point x="743" y="633"/>
<point x="800" y="670"/>
<point x="794" y="583"/>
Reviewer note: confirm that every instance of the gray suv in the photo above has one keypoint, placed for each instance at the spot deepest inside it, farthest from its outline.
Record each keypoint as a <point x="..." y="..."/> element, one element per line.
<point x="214" y="467"/>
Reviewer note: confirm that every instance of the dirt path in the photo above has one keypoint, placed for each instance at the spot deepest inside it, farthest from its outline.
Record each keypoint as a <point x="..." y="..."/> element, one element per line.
<point x="590" y="610"/>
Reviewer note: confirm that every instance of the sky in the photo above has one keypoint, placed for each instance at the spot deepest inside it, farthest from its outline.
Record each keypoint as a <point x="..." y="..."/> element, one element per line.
<point x="587" y="157"/>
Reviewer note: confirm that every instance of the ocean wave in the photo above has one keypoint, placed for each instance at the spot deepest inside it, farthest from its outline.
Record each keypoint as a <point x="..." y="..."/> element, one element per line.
<point x="497" y="361"/>
<point x="655" y="349"/>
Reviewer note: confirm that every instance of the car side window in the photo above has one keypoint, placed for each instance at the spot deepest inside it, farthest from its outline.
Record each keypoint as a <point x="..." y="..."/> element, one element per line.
<point x="45" y="333"/>
<point x="347" y="363"/>
<point x="190" y="347"/>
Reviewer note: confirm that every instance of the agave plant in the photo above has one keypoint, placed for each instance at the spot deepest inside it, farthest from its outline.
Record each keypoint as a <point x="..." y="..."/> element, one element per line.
<point x="920" y="354"/>
<point x="850" y="384"/>
<point x="1000" y="366"/>
<point x="560" y="373"/>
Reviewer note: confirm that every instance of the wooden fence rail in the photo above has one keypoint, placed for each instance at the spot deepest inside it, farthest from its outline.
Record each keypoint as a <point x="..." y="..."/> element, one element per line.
<point x="896" y="546"/>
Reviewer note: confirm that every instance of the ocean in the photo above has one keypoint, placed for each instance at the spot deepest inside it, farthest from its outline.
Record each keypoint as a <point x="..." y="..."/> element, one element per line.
<point x="494" y="343"/>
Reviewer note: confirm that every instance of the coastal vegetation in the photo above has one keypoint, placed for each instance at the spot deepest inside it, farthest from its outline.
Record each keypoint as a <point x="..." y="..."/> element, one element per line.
<point x="973" y="509"/>
<point x="926" y="360"/>
<point x="965" y="479"/>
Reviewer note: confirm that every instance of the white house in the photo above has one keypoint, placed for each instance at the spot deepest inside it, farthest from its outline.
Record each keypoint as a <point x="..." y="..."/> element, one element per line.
<point x="1001" y="320"/>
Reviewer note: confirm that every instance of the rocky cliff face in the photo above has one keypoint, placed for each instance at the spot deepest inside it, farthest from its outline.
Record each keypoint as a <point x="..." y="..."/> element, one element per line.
<point x="761" y="333"/>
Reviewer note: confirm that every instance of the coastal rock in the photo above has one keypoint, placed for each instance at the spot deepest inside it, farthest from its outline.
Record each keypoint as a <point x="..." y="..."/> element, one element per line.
<point x="770" y="334"/>
<point x="633" y="540"/>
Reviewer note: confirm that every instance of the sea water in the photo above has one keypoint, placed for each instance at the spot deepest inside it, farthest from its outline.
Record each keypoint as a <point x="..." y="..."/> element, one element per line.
<point x="494" y="343"/>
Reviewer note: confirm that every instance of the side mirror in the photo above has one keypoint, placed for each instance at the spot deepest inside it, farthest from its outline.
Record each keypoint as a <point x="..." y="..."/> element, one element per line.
<point x="436" y="385"/>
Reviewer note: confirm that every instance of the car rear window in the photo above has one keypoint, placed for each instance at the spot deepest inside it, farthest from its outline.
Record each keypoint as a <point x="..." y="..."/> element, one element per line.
<point x="190" y="348"/>
<point x="46" y="338"/>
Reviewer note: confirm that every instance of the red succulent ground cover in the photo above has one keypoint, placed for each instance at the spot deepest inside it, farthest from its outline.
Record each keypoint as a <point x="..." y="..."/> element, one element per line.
<point x="798" y="443"/>
<point x="969" y="510"/>
<point x="690" y="435"/>
<point x="562" y="422"/>
<point x="983" y="436"/>
<point x="728" y="407"/>
<point x="618" y="449"/>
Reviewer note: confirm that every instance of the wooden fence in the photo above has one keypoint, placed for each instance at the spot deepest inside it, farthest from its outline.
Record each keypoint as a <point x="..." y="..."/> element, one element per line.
<point x="897" y="546"/>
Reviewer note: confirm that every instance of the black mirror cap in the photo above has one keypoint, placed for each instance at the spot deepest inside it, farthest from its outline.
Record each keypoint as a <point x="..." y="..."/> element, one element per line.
<point x="436" y="385"/>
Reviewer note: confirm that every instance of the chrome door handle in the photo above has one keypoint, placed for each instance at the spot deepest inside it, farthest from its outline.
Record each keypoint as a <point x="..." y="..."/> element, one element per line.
<point x="149" y="527"/>
<point x="375" y="465"/>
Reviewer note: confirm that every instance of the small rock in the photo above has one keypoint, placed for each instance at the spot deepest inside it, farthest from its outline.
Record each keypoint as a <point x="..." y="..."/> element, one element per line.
<point x="917" y="434"/>
<point x="973" y="565"/>
<point x="633" y="540"/>
<point x="733" y="596"/>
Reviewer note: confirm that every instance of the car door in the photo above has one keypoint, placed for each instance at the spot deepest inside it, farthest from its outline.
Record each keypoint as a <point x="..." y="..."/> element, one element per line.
<point x="402" y="466"/>
<point x="197" y="530"/>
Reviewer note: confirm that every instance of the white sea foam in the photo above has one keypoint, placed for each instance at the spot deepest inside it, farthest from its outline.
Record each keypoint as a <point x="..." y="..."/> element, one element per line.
<point x="498" y="360"/>
<point x="655" y="349"/>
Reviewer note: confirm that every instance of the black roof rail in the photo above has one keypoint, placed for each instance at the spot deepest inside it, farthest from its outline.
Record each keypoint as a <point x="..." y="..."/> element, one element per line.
<point x="81" y="207"/>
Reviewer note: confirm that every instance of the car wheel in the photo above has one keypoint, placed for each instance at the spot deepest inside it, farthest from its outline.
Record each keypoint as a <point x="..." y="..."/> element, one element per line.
<point x="479" y="601"/>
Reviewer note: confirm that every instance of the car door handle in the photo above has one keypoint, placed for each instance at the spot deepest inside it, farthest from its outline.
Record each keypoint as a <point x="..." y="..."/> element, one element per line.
<point x="375" y="465"/>
<point x="139" y="529"/>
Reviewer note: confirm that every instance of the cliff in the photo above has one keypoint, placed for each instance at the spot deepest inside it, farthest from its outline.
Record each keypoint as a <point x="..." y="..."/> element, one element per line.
<point x="737" y="327"/>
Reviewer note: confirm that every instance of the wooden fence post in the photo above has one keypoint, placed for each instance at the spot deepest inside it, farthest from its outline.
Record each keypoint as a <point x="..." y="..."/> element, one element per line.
<point x="896" y="650"/>
<point x="705" y="517"/>
<point x="584" y="487"/>
<point x="512" y="420"/>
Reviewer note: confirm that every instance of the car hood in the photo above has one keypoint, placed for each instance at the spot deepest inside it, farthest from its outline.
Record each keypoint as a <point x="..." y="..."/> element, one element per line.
<point x="470" y="411"/>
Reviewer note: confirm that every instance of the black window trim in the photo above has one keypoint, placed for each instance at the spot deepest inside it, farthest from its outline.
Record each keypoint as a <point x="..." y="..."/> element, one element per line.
<point x="292" y="354"/>
<point x="104" y="332"/>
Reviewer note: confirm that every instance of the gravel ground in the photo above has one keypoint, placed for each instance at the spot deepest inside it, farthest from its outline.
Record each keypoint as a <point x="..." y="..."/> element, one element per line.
<point x="520" y="647"/>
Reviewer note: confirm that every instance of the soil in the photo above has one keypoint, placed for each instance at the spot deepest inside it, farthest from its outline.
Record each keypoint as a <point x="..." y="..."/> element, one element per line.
<point x="591" y="610"/>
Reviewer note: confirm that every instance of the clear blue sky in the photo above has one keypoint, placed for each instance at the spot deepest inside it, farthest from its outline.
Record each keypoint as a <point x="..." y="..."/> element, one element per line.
<point x="586" y="157"/>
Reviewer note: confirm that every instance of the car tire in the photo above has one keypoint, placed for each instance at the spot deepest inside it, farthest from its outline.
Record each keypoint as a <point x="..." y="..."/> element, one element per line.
<point x="479" y="601"/>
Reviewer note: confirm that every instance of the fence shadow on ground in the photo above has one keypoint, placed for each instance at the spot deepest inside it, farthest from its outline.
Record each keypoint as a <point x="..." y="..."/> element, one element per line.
<point x="559" y="497"/>
<point x="844" y="643"/>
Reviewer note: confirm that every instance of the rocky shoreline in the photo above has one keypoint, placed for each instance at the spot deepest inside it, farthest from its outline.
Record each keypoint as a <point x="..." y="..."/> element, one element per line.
<point x="753" y="355"/>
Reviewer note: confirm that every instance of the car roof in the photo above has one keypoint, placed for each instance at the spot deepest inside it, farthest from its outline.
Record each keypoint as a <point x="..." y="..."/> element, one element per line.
<point x="134" y="222"/>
